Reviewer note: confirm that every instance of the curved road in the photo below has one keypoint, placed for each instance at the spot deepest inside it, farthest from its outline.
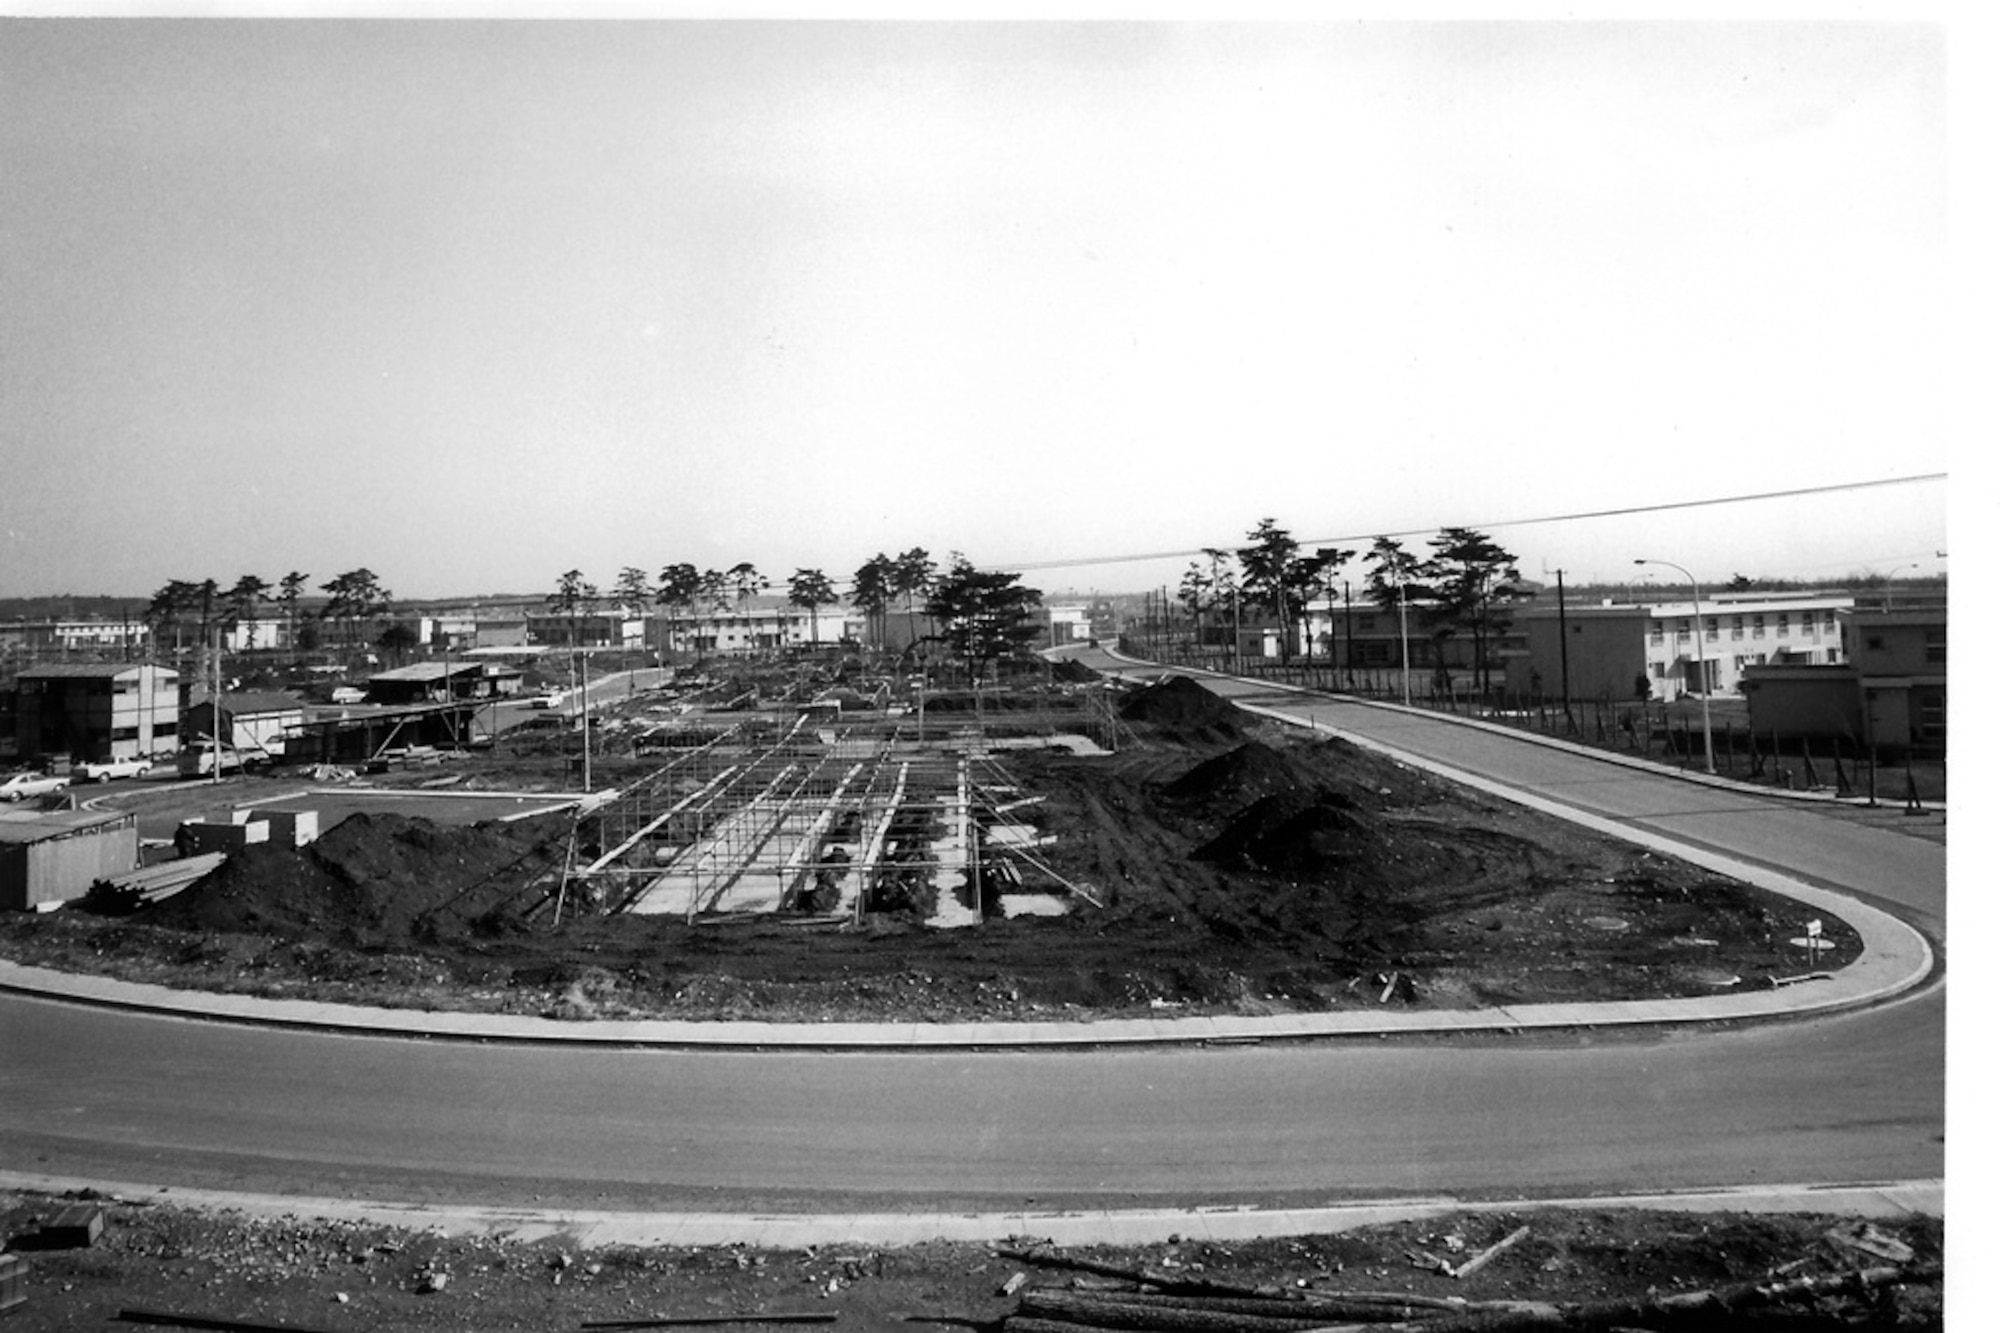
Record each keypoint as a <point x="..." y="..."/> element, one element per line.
<point x="1852" y="1098"/>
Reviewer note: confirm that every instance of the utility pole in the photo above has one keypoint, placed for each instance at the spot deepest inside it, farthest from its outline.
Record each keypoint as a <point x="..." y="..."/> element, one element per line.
<point x="1403" y="621"/>
<point x="1562" y="636"/>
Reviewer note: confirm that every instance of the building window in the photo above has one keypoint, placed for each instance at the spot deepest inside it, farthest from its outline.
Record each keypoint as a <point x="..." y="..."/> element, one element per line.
<point x="1934" y="647"/>
<point x="1659" y="633"/>
<point x="1784" y="624"/>
<point x="1756" y="627"/>
<point x="1736" y="627"/>
<point x="1710" y="631"/>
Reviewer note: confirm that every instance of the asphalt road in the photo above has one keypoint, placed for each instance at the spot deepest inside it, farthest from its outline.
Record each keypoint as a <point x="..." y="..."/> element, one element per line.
<point x="1853" y="1098"/>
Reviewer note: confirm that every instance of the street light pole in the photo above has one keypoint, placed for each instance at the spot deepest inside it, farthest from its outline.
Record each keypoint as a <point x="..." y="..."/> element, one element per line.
<point x="1700" y="658"/>
<point x="1889" y="586"/>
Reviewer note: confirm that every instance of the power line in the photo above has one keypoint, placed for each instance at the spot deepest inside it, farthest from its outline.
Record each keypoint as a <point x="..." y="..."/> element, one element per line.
<point x="1501" y="523"/>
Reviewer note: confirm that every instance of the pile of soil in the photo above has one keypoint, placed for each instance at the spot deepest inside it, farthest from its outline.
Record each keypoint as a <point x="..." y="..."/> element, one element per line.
<point x="1248" y="771"/>
<point x="1069" y="671"/>
<point x="1178" y="709"/>
<point x="384" y="881"/>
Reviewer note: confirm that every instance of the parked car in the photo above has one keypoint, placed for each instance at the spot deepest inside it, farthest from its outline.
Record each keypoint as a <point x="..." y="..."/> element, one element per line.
<point x="550" y="699"/>
<point x="20" y="786"/>
<point x="103" y="770"/>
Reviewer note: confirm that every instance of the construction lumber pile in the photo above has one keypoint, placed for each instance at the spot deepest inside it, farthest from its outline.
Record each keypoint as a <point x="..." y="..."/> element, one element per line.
<point x="1145" y="1300"/>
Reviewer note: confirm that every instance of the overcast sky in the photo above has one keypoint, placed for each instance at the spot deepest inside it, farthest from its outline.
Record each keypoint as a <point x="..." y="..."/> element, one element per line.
<point x="474" y="303"/>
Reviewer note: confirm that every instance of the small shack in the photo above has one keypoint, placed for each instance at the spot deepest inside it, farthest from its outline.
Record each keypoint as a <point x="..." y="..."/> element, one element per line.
<point x="48" y="858"/>
<point x="253" y="723"/>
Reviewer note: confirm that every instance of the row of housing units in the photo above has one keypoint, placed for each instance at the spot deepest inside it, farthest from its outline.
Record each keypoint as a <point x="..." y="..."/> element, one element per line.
<point x="1810" y="665"/>
<point x="95" y="711"/>
<point x="756" y="626"/>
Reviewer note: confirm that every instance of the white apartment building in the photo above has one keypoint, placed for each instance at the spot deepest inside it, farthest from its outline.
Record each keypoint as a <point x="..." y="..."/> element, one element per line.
<point x="1676" y="647"/>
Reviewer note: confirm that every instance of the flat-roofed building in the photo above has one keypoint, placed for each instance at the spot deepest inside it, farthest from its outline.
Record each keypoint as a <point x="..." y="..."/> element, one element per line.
<point x="1889" y="693"/>
<point x="1674" y="647"/>
<point x="107" y="710"/>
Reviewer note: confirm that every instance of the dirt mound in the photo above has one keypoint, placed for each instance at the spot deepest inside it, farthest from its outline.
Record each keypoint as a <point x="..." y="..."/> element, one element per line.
<point x="1232" y="779"/>
<point x="378" y="880"/>
<point x="1178" y="707"/>
<point x="1296" y="835"/>
<point x="1069" y="671"/>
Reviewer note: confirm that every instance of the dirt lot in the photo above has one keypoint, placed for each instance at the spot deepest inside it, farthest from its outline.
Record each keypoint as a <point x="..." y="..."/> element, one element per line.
<point x="296" y="1273"/>
<point x="1244" y="867"/>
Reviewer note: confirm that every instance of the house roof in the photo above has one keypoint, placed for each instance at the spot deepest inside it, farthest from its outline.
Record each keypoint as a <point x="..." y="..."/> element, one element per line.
<point x="89" y="670"/>
<point x="427" y="671"/>
<point x="24" y="826"/>
<point x="250" y="703"/>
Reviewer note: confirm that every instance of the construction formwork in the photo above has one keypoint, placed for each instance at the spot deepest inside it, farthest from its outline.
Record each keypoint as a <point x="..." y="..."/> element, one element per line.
<point x="808" y="814"/>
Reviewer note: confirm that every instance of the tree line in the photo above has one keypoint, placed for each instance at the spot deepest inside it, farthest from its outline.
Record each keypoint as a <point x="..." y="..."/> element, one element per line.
<point x="1460" y="586"/>
<point x="352" y="601"/>
<point x="977" y="616"/>
<point x="1463" y="584"/>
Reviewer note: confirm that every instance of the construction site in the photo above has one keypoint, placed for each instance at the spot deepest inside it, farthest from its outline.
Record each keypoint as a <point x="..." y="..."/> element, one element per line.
<point x="794" y="842"/>
<point x="833" y="808"/>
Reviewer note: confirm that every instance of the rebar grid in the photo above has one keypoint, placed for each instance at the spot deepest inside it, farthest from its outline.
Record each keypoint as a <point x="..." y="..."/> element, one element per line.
<point x="872" y="813"/>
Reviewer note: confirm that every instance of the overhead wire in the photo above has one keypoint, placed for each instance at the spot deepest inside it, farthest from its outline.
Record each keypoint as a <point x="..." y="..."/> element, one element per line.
<point x="1621" y="512"/>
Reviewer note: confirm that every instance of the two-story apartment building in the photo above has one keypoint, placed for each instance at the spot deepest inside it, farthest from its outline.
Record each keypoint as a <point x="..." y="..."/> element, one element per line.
<point x="98" y="710"/>
<point x="753" y="628"/>
<point x="1889" y="691"/>
<point x="60" y="638"/>
<point x="1674" y="648"/>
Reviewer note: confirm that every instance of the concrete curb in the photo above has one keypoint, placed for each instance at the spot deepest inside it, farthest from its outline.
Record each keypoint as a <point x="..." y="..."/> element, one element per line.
<point x="1895" y="959"/>
<point x="590" y="1229"/>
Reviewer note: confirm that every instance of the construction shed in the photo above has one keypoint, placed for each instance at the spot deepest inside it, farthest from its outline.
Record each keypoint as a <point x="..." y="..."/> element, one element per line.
<point x="441" y="682"/>
<point x="365" y="731"/>
<point x="50" y="858"/>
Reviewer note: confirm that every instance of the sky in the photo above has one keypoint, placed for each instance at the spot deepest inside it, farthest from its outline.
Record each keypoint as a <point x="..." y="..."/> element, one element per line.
<point x="471" y="303"/>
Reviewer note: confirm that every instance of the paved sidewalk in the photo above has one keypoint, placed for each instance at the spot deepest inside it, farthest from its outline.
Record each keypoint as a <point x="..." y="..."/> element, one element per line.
<point x="590" y="1228"/>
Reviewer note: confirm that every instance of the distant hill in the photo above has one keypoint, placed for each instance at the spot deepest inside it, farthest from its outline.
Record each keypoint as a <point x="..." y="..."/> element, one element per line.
<point x="72" y="606"/>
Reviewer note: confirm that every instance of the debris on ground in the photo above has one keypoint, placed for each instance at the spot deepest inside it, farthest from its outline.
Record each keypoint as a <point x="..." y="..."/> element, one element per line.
<point x="1572" y="1269"/>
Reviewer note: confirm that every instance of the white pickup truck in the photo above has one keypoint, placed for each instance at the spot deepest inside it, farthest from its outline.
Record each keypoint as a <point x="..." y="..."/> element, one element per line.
<point x="103" y="770"/>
